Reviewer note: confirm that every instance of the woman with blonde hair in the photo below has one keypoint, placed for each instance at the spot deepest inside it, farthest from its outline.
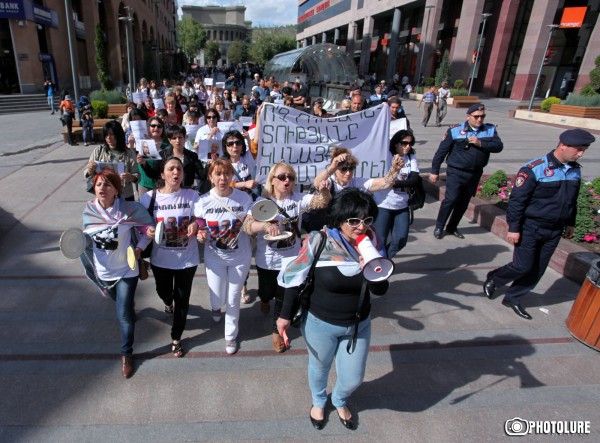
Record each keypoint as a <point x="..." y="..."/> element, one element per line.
<point x="280" y="238"/>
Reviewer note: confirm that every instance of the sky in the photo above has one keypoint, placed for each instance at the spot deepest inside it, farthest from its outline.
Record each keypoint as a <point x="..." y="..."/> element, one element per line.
<point x="259" y="12"/>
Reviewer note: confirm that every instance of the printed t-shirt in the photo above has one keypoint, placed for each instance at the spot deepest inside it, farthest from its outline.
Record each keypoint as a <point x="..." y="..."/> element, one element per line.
<point x="395" y="198"/>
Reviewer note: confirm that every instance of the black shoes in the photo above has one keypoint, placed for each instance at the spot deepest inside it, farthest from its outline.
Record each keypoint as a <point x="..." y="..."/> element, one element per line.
<point x="317" y="424"/>
<point x="518" y="309"/>
<point x="455" y="233"/>
<point x="489" y="287"/>
<point x="348" y="423"/>
<point x="438" y="233"/>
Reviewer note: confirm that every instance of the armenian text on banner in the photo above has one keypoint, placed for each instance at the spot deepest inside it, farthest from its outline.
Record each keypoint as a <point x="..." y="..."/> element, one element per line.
<point x="306" y="141"/>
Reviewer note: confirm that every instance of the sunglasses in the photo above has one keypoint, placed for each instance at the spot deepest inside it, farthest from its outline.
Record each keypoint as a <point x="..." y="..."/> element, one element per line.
<point x="403" y="143"/>
<point x="210" y="117"/>
<point x="482" y="116"/>
<point x="348" y="169"/>
<point x="156" y="126"/>
<point x="235" y="143"/>
<point x="356" y="222"/>
<point x="282" y="177"/>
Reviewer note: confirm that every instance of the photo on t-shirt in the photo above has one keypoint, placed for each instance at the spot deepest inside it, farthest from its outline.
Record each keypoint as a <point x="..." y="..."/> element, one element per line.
<point x="224" y="234"/>
<point x="107" y="239"/>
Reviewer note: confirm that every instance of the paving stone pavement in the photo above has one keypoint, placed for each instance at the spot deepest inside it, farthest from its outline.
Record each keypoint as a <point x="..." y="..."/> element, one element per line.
<point x="446" y="364"/>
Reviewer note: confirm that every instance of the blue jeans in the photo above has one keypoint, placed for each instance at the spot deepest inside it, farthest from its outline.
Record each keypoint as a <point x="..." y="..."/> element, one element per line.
<point x="88" y="130"/>
<point x="394" y="221"/>
<point x="51" y="102"/>
<point x="122" y="293"/>
<point x="326" y="341"/>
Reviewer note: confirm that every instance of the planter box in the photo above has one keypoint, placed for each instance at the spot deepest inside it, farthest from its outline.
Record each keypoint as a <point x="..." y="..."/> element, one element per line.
<point x="575" y="111"/>
<point x="563" y="120"/>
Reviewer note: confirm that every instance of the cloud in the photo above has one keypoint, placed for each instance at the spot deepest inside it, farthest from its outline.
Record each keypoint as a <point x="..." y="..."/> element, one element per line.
<point x="259" y="12"/>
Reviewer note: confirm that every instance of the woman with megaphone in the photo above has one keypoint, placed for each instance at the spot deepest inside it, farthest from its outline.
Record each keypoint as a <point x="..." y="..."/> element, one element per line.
<point x="338" y="322"/>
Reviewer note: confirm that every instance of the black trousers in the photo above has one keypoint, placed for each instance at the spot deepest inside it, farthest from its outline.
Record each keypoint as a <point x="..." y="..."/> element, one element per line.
<point x="460" y="187"/>
<point x="268" y="288"/>
<point x="175" y="285"/>
<point x="530" y="260"/>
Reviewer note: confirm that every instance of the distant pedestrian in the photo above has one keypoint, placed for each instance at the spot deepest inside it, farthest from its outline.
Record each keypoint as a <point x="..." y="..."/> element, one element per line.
<point x="542" y="207"/>
<point x="443" y="96"/>
<point x="68" y="113"/>
<point x="466" y="147"/>
<point x="50" y="89"/>
<point x="430" y="100"/>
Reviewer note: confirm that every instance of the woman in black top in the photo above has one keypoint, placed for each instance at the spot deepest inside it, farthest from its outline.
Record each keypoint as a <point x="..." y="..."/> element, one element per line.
<point x="330" y="324"/>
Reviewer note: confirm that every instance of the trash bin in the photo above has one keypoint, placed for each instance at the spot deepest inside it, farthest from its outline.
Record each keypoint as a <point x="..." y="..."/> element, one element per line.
<point x="583" y="321"/>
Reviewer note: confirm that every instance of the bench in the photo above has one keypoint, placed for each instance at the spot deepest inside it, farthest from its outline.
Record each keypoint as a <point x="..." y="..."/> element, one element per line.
<point x="575" y="111"/>
<point x="464" y="101"/>
<point x="117" y="109"/>
<point x="78" y="130"/>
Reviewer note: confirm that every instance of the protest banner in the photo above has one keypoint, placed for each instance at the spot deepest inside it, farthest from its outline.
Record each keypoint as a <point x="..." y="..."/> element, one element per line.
<point x="306" y="141"/>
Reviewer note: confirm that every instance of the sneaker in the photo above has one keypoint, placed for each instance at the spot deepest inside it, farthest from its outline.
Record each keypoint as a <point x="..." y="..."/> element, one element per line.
<point x="169" y="308"/>
<point x="216" y="316"/>
<point x="86" y="144"/>
<point x="231" y="347"/>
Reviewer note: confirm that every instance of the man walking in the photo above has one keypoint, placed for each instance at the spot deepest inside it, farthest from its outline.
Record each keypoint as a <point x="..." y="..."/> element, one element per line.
<point x="443" y="96"/>
<point x="430" y="100"/>
<point x="542" y="207"/>
<point x="466" y="147"/>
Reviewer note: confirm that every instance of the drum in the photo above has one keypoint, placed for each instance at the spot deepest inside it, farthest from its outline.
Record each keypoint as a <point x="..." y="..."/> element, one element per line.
<point x="583" y="321"/>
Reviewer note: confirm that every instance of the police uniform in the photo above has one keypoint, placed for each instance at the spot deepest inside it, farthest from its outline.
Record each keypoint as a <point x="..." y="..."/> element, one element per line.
<point x="465" y="163"/>
<point x="542" y="202"/>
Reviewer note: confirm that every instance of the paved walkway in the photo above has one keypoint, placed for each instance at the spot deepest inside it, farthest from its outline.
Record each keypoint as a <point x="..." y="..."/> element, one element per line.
<point x="446" y="364"/>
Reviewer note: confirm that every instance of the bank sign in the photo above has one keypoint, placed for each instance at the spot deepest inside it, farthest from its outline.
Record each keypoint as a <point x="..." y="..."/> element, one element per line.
<point x="12" y="9"/>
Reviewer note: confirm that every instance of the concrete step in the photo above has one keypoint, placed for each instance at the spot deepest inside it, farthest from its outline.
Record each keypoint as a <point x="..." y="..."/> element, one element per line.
<point x="19" y="103"/>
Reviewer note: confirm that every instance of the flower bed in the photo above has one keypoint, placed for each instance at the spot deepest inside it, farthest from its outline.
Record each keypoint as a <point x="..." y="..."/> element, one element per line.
<point x="496" y="189"/>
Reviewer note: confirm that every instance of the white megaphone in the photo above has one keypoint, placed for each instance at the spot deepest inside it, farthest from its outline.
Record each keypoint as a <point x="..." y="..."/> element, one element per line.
<point x="376" y="268"/>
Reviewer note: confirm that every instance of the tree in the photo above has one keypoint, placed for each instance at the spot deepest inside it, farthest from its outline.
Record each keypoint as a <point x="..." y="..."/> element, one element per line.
<point x="268" y="42"/>
<point x="102" y="60"/>
<point x="212" y="52"/>
<point x="192" y="37"/>
<point x="237" y="52"/>
<point x="444" y="73"/>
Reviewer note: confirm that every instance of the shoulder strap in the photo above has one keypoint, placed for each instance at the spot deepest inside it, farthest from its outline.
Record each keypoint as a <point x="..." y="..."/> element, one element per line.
<point x="361" y="300"/>
<point x="322" y="241"/>
<point x="224" y="206"/>
<point x="152" y="201"/>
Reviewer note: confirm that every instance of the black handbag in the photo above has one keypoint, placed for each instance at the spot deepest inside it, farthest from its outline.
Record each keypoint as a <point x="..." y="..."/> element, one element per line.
<point x="416" y="199"/>
<point x="302" y="302"/>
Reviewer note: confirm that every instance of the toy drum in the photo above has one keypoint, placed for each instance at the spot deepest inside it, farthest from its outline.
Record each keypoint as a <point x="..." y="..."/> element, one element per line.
<point x="583" y="321"/>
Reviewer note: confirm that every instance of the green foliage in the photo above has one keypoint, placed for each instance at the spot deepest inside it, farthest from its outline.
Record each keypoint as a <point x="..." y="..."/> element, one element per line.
<point x="596" y="185"/>
<point x="493" y="183"/>
<point x="212" y="52"/>
<point x="237" y="52"/>
<point x="191" y="36"/>
<point x="584" y="223"/>
<point x="268" y="42"/>
<point x="429" y="81"/>
<point x="444" y="72"/>
<point x="100" y="108"/>
<point x="113" y="97"/>
<point x="101" y="59"/>
<point x="455" y="92"/>
<point x="588" y="90"/>
<point x="458" y="84"/>
<point x="582" y="100"/>
<point x="545" y="105"/>
<point x="418" y="89"/>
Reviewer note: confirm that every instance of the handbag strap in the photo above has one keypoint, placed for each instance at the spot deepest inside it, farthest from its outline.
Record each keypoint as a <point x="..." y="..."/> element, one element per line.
<point x="361" y="300"/>
<point x="287" y="216"/>
<point x="318" y="252"/>
<point x="152" y="201"/>
<point x="224" y="206"/>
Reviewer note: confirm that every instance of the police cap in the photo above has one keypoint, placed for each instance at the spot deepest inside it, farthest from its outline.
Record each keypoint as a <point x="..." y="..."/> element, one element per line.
<point x="476" y="107"/>
<point x="576" y="137"/>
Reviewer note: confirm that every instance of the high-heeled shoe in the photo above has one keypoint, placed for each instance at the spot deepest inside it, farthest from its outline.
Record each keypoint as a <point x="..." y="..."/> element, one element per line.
<point x="348" y="423"/>
<point x="318" y="424"/>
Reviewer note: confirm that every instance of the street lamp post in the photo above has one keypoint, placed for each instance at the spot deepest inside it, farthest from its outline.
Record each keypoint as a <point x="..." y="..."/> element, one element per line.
<point x="424" y="37"/>
<point x="69" y="11"/>
<point x="156" y="41"/>
<point x="128" y="19"/>
<point x="485" y="17"/>
<point x="537" y="80"/>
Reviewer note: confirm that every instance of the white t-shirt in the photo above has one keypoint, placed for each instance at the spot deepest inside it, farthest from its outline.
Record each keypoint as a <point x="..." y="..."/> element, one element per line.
<point x="204" y="132"/>
<point x="270" y="253"/>
<point x="176" y="250"/>
<point x="227" y="241"/>
<point x="244" y="168"/>
<point x="355" y="182"/>
<point x="396" y="198"/>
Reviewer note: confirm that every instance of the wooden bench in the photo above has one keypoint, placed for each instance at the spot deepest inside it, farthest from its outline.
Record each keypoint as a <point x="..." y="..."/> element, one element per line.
<point x="78" y="130"/>
<point x="575" y="111"/>
<point x="117" y="109"/>
<point x="464" y="101"/>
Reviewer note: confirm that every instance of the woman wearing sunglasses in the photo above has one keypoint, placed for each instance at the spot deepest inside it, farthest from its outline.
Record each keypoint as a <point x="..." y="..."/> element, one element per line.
<point x="282" y="235"/>
<point x="228" y="251"/>
<point x="156" y="132"/>
<point x="331" y="329"/>
<point x="393" y="206"/>
<point x="210" y="131"/>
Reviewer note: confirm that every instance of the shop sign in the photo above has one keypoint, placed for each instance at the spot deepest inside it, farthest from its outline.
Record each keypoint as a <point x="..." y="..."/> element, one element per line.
<point x="12" y="9"/>
<point x="573" y="17"/>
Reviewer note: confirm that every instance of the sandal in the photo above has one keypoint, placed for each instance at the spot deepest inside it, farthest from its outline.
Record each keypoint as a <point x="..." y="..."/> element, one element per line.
<point x="177" y="349"/>
<point x="245" y="295"/>
<point x="278" y="343"/>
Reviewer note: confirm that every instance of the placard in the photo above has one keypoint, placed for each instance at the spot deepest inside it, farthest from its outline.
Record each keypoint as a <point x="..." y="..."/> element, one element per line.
<point x="139" y="129"/>
<point x="147" y="149"/>
<point x="397" y="125"/>
<point x="230" y="126"/>
<point x="118" y="167"/>
<point x="209" y="149"/>
<point x="158" y="103"/>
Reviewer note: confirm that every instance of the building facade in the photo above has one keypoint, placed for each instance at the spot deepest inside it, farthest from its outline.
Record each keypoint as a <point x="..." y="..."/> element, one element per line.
<point x="222" y="25"/>
<point x="500" y="44"/>
<point x="34" y="41"/>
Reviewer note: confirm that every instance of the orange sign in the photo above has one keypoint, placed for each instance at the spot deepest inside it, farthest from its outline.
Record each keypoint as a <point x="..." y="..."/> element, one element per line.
<point x="573" y="17"/>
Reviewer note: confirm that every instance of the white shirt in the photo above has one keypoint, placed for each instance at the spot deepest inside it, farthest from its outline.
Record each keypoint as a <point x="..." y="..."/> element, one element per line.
<point x="395" y="198"/>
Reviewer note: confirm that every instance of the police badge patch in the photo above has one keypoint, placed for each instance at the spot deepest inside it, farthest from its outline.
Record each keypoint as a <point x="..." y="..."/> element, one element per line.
<point x="519" y="181"/>
<point x="548" y="172"/>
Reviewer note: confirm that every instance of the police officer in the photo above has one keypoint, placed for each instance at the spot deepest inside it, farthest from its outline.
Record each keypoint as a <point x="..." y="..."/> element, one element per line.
<point x="542" y="207"/>
<point x="466" y="148"/>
